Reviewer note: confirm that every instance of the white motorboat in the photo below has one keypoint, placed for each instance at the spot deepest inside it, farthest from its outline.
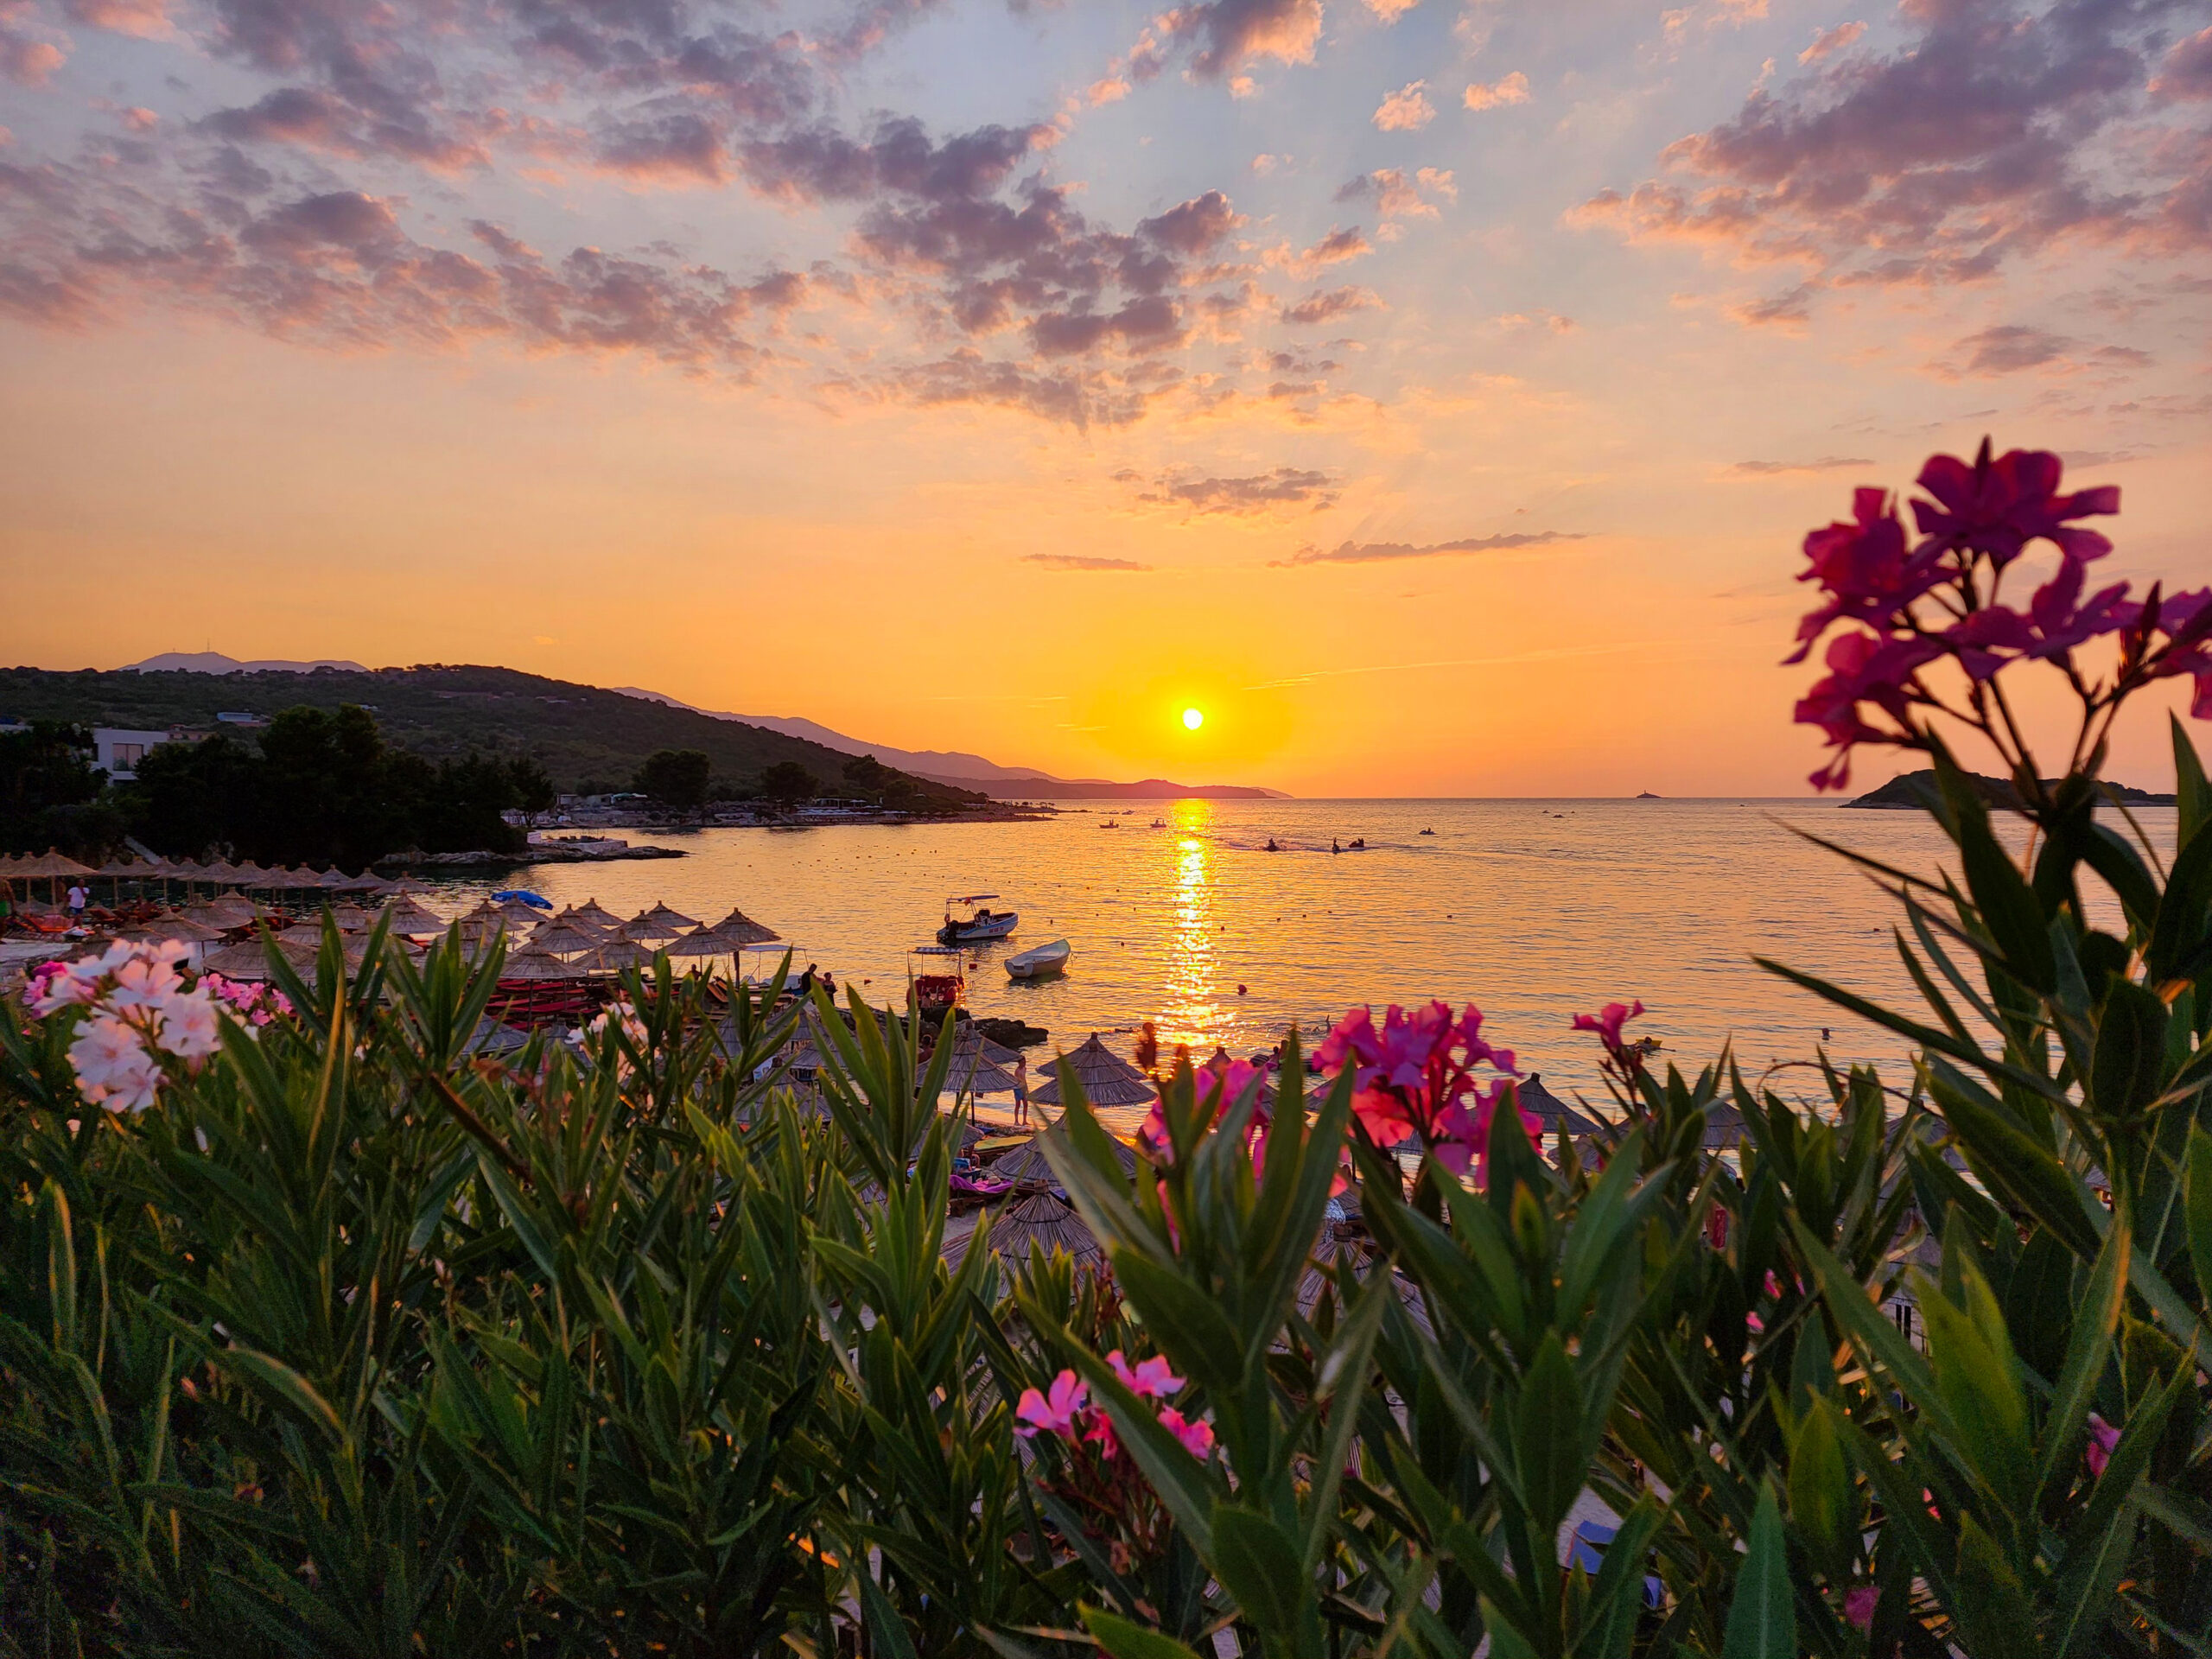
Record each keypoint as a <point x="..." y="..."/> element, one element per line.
<point x="1039" y="962"/>
<point x="968" y="922"/>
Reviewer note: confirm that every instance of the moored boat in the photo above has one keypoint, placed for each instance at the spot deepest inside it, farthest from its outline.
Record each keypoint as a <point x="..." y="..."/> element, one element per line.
<point x="1039" y="962"/>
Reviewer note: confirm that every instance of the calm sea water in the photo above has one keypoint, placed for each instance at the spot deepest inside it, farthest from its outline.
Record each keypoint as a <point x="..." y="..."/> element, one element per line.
<point x="1533" y="910"/>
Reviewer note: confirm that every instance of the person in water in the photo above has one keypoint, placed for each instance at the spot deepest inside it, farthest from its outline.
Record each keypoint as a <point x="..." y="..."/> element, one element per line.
<point x="1271" y="845"/>
<point x="1332" y="845"/>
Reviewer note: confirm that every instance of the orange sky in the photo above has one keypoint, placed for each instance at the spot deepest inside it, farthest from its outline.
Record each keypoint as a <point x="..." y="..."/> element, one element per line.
<point x="305" y="445"/>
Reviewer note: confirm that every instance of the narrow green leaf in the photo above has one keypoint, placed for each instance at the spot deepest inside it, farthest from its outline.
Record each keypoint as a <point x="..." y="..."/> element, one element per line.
<point x="1257" y="1562"/>
<point x="2192" y="794"/>
<point x="275" y="1379"/>
<point x="1126" y="1641"/>
<point x="1761" y="1618"/>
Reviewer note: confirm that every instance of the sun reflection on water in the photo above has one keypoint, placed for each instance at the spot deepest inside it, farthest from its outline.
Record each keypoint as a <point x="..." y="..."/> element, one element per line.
<point x="1191" y="1011"/>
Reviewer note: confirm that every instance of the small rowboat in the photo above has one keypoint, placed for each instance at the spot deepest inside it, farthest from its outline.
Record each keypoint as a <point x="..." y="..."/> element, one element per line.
<point x="1039" y="962"/>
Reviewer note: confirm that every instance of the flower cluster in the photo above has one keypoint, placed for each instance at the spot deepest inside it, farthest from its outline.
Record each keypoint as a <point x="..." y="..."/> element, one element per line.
<point x="1909" y="605"/>
<point x="136" y="1009"/>
<point x="1416" y="1076"/>
<point x="1065" y="1412"/>
<point x="622" y="1017"/>
<point x="1220" y="1083"/>
<point x="251" y="1003"/>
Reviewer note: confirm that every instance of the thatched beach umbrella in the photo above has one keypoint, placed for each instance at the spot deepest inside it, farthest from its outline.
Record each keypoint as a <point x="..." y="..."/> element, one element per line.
<point x="1556" y="1113"/>
<point x="1048" y="1221"/>
<point x="980" y="1067"/>
<point x="404" y="916"/>
<point x="519" y="917"/>
<point x="740" y="926"/>
<point x="597" y="914"/>
<point x="1029" y="1163"/>
<point x="351" y="919"/>
<point x="171" y="925"/>
<point x="647" y="928"/>
<point x="533" y="964"/>
<point x="667" y="920"/>
<point x="561" y="937"/>
<point x="51" y="866"/>
<point x="616" y="954"/>
<point x="1107" y="1078"/>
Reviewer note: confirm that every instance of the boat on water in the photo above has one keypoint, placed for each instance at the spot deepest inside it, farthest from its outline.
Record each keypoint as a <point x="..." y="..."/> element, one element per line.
<point x="934" y="971"/>
<point x="1160" y="823"/>
<point x="1109" y="823"/>
<point x="1039" y="962"/>
<point x="969" y="920"/>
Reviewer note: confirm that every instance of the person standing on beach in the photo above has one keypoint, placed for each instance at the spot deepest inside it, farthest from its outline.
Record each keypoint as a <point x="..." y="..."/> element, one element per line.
<point x="1020" y="1089"/>
<point x="6" y="906"/>
<point x="80" y="896"/>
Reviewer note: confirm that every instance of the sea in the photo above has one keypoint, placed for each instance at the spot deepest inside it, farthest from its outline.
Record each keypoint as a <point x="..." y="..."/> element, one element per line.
<point x="1535" y="911"/>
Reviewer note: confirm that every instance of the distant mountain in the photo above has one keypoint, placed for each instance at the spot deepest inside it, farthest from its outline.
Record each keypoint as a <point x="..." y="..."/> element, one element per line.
<point x="213" y="662"/>
<point x="581" y="733"/>
<point x="1913" y="790"/>
<point x="973" y="772"/>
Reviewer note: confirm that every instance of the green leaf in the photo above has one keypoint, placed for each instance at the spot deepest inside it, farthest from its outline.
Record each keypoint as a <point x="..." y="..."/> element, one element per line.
<point x="2130" y="1052"/>
<point x="2023" y="1171"/>
<point x="2008" y="906"/>
<point x="884" y="1625"/>
<point x="1616" y="1602"/>
<point x="2088" y="1350"/>
<point x="1820" y="1483"/>
<point x="1126" y="1641"/>
<point x="1257" y="1563"/>
<point x="1188" y="1323"/>
<point x="2199" y="1208"/>
<point x="1762" y="1616"/>
<point x="274" y="1377"/>
<point x="2192" y="795"/>
<point x="1995" y="1611"/>
<point x="1551" y="1443"/>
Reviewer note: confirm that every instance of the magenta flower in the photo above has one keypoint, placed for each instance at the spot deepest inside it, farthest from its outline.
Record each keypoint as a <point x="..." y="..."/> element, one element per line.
<point x="1054" y="1412"/>
<point x="2103" y="1437"/>
<point x="1197" y="1437"/>
<point x="1858" y="1604"/>
<point x="1152" y="1379"/>
<point x="1863" y="569"/>
<point x="1996" y="508"/>
<point x="1608" y="1022"/>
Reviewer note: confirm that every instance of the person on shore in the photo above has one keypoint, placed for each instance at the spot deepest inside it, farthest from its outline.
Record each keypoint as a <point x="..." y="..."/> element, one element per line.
<point x="6" y="906"/>
<point x="80" y="896"/>
<point x="1020" y="1091"/>
<point x="1148" y="1054"/>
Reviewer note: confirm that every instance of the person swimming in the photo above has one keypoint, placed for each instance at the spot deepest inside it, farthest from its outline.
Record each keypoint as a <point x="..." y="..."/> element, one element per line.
<point x="1332" y="845"/>
<point x="1359" y="843"/>
<point x="1271" y="846"/>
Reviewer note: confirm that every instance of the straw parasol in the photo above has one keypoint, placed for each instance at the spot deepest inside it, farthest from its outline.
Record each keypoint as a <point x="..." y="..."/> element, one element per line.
<point x="519" y="917"/>
<point x="742" y="928"/>
<point x="561" y="937"/>
<point x="1557" y="1114"/>
<point x="307" y="933"/>
<point x="618" y="954"/>
<point x="1046" y="1221"/>
<point x="51" y="865"/>
<point x="538" y="964"/>
<point x="706" y="942"/>
<point x="1107" y="1078"/>
<point x="404" y="916"/>
<point x="648" y="927"/>
<point x="173" y="926"/>
<point x="663" y="915"/>
<point x="350" y="918"/>
<point x="979" y="1065"/>
<point x="226" y="910"/>
<point x="594" y="912"/>
<point x="251" y="962"/>
<point x="1028" y="1163"/>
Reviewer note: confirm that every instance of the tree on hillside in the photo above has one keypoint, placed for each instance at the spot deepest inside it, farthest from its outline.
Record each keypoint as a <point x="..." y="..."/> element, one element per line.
<point x="787" y="783"/>
<point x="867" y="776"/>
<point x="675" y="779"/>
<point x="47" y="788"/>
<point x="533" y="786"/>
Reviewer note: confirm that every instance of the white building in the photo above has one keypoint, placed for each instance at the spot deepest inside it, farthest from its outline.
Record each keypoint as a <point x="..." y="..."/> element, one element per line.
<point x="117" y="753"/>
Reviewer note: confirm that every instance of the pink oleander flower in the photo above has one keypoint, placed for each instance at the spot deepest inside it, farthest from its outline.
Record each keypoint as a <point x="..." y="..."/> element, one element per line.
<point x="1607" y="1023"/>
<point x="2103" y="1437"/>
<point x="148" y="981"/>
<point x="1197" y="1437"/>
<point x="1863" y="568"/>
<point x="1995" y="508"/>
<point x="1152" y="1379"/>
<point x="189" y="1028"/>
<point x="1858" y="1604"/>
<point x="1052" y="1412"/>
<point x="112" y="1066"/>
<point x="1415" y="1078"/>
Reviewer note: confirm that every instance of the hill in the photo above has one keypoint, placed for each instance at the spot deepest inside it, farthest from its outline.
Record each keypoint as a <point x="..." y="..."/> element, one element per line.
<point x="581" y="734"/>
<point x="1912" y="790"/>
<point x="960" y="770"/>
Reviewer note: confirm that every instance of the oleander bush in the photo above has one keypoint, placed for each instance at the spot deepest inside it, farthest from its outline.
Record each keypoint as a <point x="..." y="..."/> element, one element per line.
<point x="328" y="1328"/>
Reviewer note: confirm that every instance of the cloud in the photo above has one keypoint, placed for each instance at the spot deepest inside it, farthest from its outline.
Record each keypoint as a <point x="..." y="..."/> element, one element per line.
<point x="1381" y="552"/>
<point x="1829" y="41"/>
<point x="1396" y="196"/>
<point x="1250" y="496"/>
<point x="1081" y="562"/>
<point x="27" y="62"/>
<point x="1195" y="227"/>
<point x="1407" y="110"/>
<point x="2007" y="348"/>
<point x="1334" y="249"/>
<point x="1389" y="11"/>
<point x="1331" y="304"/>
<point x="2186" y="72"/>
<point x="1513" y="89"/>
<point x="1985" y="138"/>
<point x="1225" y="35"/>
<point x="1777" y="468"/>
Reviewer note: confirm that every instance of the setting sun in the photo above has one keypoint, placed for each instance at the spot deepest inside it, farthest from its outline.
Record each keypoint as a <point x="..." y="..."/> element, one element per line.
<point x="1193" y="719"/>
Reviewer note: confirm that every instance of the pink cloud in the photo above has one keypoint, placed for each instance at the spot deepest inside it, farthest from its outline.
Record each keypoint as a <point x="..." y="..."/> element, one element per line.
<point x="1829" y="41"/>
<point x="1513" y="89"/>
<point x="1407" y="110"/>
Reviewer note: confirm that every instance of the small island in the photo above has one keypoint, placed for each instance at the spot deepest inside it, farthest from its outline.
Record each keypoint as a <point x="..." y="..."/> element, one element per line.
<point x="1912" y="791"/>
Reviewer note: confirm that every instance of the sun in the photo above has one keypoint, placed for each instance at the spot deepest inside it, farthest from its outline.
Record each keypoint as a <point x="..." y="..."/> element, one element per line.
<point x="1193" y="719"/>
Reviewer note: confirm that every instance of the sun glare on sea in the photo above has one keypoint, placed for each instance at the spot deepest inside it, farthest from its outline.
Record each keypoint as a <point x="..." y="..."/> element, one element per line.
<point x="1193" y="719"/>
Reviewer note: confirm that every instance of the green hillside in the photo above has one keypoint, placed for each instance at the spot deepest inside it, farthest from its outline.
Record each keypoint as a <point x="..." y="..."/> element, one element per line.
<point x="581" y="734"/>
